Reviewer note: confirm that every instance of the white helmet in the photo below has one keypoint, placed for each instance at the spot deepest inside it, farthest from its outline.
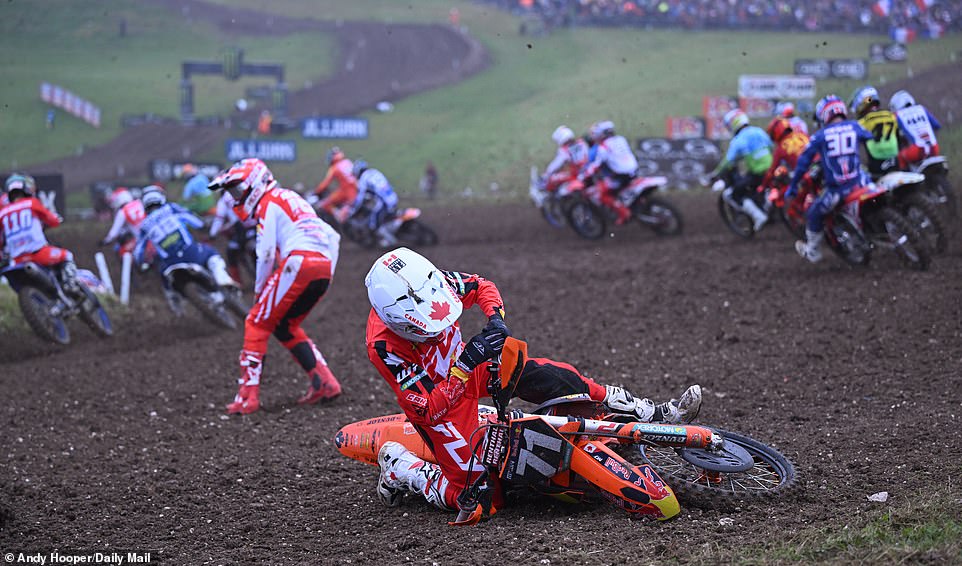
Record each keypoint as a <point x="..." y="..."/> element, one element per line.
<point x="562" y="135"/>
<point x="411" y="296"/>
<point x="901" y="99"/>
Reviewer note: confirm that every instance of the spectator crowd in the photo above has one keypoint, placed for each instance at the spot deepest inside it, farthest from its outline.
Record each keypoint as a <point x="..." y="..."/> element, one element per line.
<point x="924" y="18"/>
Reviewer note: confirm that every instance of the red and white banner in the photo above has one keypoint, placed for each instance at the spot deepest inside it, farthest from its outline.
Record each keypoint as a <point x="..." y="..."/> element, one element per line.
<point x="757" y="107"/>
<point x="60" y="97"/>
<point x="684" y="127"/>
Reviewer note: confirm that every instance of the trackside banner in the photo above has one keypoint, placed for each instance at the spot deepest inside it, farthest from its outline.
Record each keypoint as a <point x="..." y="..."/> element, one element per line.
<point x="776" y="87"/>
<point x="268" y="150"/>
<point x="57" y="96"/>
<point x="334" y="127"/>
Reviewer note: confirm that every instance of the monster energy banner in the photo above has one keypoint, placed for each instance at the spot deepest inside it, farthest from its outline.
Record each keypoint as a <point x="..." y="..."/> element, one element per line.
<point x="684" y="161"/>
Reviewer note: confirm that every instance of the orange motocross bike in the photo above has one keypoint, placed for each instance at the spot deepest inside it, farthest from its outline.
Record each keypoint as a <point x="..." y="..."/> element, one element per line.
<point x="572" y="449"/>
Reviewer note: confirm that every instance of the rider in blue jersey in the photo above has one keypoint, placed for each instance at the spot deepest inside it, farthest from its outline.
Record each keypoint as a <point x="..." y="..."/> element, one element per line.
<point x="377" y="198"/>
<point x="751" y="146"/>
<point x="838" y="143"/>
<point x="167" y="226"/>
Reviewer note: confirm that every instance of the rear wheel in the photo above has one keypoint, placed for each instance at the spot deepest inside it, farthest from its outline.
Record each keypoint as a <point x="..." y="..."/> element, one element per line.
<point x="659" y="214"/>
<point x="36" y="307"/>
<point x="939" y="183"/>
<point x="744" y="469"/>
<point x="206" y="302"/>
<point x="417" y="233"/>
<point x="848" y="242"/>
<point x="586" y="219"/>
<point x="923" y="216"/>
<point x="904" y="239"/>
<point x="737" y="221"/>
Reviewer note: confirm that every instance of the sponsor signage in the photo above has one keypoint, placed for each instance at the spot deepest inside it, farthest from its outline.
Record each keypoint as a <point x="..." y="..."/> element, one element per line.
<point x="684" y="127"/>
<point x="757" y="107"/>
<point x="714" y="109"/>
<point x="334" y="127"/>
<point x="267" y="150"/>
<point x="776" y="86"/>
<point x="832" y="68"/>
<point x="60" y="97"/>
<point x="817" y="68"/>
<point x="850" y="69"/>
<point x="683" y="161"/>
<point x="888" y="53"/>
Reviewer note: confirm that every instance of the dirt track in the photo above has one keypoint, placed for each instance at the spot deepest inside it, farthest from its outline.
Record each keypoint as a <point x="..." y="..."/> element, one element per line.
<point x="121" y="444"/>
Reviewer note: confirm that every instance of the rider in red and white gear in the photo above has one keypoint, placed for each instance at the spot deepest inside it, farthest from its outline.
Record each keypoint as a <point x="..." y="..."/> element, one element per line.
<point x="415" y="342"/>
<point x="305" y="249"/>
<point x="341" y="169"/>
<point x="226" y="220"/>
<point x="615" y="166"/>
<point x="22" y="222"/>
<point x="917" y="126"/>
<point x="571" y="157"/>
<point x="128" y="215"/>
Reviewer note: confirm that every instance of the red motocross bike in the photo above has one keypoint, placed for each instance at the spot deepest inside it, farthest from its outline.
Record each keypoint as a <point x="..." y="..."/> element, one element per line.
<point x="570" y="448"/>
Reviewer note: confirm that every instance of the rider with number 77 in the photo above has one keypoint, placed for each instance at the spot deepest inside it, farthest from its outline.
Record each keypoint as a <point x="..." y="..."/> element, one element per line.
<point x="838" y="143"/>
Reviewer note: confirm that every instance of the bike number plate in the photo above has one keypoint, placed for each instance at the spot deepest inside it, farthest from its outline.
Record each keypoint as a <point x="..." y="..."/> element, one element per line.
<point x="536" y="452"/>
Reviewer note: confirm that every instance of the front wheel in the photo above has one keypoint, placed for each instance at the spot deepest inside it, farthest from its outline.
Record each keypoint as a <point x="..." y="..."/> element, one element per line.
<point x="207" y="303"/>
<point x="586" y="219"/>
<point x="659" y="214"/>
<point x="737" y="221"/>
<point x="744" y="469"/>
<point x="95" y="316"/>
<point x="848" y="242"/>
<point x="552" y="213"/>
<point x="36" y="307"/>
<point x="416" y="233"/>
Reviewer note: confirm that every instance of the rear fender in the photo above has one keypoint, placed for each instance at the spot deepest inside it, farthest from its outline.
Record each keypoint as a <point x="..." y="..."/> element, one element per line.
<point x="180" y="273"/>
<point x="362" y="440"/>
<point x="936" y="161"/>
<point x="30" y="273"/>
<point x="896" y="179"/>
<point x="409" y="214"/>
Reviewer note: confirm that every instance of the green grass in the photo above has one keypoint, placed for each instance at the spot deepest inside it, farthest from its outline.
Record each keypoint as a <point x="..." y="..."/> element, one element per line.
<point x="483" y="132"/>
<point x="77" y="45"/>
<point x="922" y="528"/>
<point x="492" y="127"/>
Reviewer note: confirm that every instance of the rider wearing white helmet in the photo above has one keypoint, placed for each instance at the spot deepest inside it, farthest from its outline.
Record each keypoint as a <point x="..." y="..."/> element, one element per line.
<point x="918" y="127"/>
<point x="415" y="342"/>
<point x="614" y="165"/>
<point x="571" y="157"/>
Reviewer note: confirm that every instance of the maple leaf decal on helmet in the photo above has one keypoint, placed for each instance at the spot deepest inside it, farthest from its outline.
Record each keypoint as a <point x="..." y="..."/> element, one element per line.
<point x="439" y="311"/>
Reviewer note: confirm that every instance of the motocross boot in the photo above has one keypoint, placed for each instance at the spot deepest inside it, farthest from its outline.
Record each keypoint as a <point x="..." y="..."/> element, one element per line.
<point x="809" y="249"/>
<point x="675" y="411"/>
<point x="619" y="400"/>
<point x="385" y="234"/>
<point x="68" y="278"/>
<point x="758" y="215"/>
<point x="324" y="386"/>
<point x="218" y="268"/>
<point x="247" y="399"/>
<point x="403" y="472"/>
<point x="678" y="411"/>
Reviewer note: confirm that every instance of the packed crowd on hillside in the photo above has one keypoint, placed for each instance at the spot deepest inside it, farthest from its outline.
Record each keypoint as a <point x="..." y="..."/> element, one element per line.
<point x="926" y="18"/>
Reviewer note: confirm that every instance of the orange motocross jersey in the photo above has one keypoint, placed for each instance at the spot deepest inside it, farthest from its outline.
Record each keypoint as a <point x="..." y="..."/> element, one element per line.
<point x="787" y="151"/>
